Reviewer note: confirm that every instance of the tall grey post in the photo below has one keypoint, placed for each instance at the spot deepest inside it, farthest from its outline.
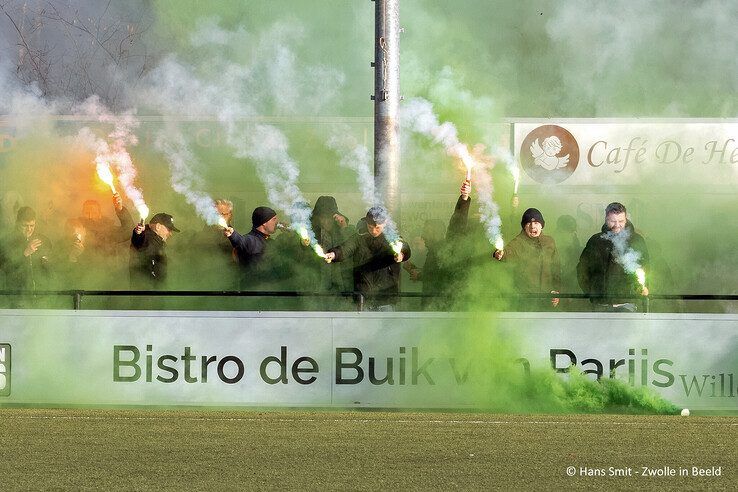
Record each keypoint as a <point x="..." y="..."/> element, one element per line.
<point x="387" y="104"/>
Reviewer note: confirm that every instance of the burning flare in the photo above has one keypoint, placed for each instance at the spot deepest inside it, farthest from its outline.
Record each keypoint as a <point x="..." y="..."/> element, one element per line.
<point x="641" y="276"/>
<point x="103" y="172"/>
<point x="462" y="152"/>
<point x="305" y="237"/>
<point x="319" y="250"/>
<point x="143" y="211"/>
<point x="222" y="222"/>
<point x="499" y="243"/>
<point x="397" y="247"/>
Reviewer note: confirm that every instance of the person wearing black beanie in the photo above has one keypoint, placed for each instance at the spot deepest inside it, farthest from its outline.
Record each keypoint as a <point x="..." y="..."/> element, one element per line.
<point x="532" y="215"/>
<point x="250" y="249"/>
<point x="534" y="260"/>
<point x="262" y="215"/>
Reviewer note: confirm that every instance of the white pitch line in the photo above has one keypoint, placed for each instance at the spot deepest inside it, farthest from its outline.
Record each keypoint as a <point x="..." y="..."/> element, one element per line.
<point x="339" y="421"/>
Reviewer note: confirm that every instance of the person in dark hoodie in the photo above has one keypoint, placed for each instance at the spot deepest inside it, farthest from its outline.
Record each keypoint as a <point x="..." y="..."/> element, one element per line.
<point x="148" y="262"/>
<point x="611" y="263"/>
<point x="535" y="261"/>
<point x="332" y="228"/>
<point x="251" y="248"/>
<point x="376" y="261"/>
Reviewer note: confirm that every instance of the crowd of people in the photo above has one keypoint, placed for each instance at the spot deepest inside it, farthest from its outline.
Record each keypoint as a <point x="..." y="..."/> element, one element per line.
<point x="358" y="261"/>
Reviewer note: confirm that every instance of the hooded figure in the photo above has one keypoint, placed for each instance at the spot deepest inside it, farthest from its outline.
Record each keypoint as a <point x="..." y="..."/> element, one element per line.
<point x="607" y="266"/>
<point x="536" y="267"/>
<point x="332" y="228"/>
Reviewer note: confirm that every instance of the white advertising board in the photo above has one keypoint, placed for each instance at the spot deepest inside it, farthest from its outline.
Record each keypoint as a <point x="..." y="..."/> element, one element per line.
<point x="627" y="152"/>
<point x="402" y="360"/>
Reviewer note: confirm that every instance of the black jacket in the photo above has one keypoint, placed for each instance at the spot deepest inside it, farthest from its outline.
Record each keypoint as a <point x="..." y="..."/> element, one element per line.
<point x="376" y="273"/>
<point x="601" y="274"/>
<point x="22" y="272"/>
<point x="148" y="262"/>
<point x="250" y="252"/>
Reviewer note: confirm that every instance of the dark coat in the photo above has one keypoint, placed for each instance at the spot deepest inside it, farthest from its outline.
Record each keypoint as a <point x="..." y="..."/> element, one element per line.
<point x="333" y="278"/>
<point x="535" y="262"/>
<point x="94" y="262"/>
<point x="376" y="273"/>
<point x="440" y="271"/>
<point x="148" y="261"/>
<point x="212" y="264"/>
<point x="250" y="252"/>
<point x="22" y="272"/>
<point x="600" y="274"/>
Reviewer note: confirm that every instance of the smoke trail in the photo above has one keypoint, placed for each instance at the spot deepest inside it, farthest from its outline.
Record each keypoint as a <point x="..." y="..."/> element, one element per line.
<point x="511" y="163"/>
<point x="357" y="157"/>
<point x="240" y="94"/>
<point x="184" y="178"/>
<point x="628" y="258"/>
<point x="418" y="116"/>
<point x="114" y="150"/>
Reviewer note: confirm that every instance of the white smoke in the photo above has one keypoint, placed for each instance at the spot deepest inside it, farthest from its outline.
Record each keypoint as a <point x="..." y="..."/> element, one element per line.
<point x="418" y="116"/>
<point x="113" y="150"/>
<point x="184" y="177"/>
<point x="628" y="258"/>
<point x="23" y="106"/>
<point x="271" y="78"/>
<point x="512" y="164"/>
<point x="356" y="156"/>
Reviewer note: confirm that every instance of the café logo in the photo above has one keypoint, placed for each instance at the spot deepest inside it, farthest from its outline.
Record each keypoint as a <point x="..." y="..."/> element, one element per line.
<point x="549" y="154"/>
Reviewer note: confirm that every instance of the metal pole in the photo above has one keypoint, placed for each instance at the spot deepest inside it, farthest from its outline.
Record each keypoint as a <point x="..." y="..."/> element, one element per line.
<point x="387" y="104"/>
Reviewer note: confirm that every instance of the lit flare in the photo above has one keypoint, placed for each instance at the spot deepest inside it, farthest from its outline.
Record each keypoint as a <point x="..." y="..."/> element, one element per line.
<point x="222" y="223"/>
<point x="641" y="276"/>
<point x="499" y="243"/>
<point x="104" y="173"/>
<point x="143" y="211"/>
<point x="318" y="250"/>
<point x="462" y="151"/>
<point x="397" y="247"/>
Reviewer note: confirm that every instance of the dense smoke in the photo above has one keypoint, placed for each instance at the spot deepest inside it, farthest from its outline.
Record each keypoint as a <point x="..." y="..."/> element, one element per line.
<point x="269" y="83"/>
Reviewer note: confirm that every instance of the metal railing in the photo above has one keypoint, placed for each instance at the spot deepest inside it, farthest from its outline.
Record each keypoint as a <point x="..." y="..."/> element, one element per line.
<point x="77" y="296"/>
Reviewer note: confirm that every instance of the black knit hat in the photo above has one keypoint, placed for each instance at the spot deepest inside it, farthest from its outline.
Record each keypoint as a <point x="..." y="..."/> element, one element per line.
<point x="261" y="215"/>
<point x="532" y="215"/>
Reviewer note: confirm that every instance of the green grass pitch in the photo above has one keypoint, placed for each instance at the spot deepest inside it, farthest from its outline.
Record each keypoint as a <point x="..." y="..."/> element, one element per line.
<point x="188" y="449"/>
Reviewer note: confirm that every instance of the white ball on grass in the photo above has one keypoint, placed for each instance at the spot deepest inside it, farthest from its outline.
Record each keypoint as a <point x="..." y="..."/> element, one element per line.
<point x="685" y="412"/>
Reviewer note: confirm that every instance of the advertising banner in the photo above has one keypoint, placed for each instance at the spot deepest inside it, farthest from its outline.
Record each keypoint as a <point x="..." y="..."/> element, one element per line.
<point x="401" y="360"/>
<point x="625" y="152"/>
